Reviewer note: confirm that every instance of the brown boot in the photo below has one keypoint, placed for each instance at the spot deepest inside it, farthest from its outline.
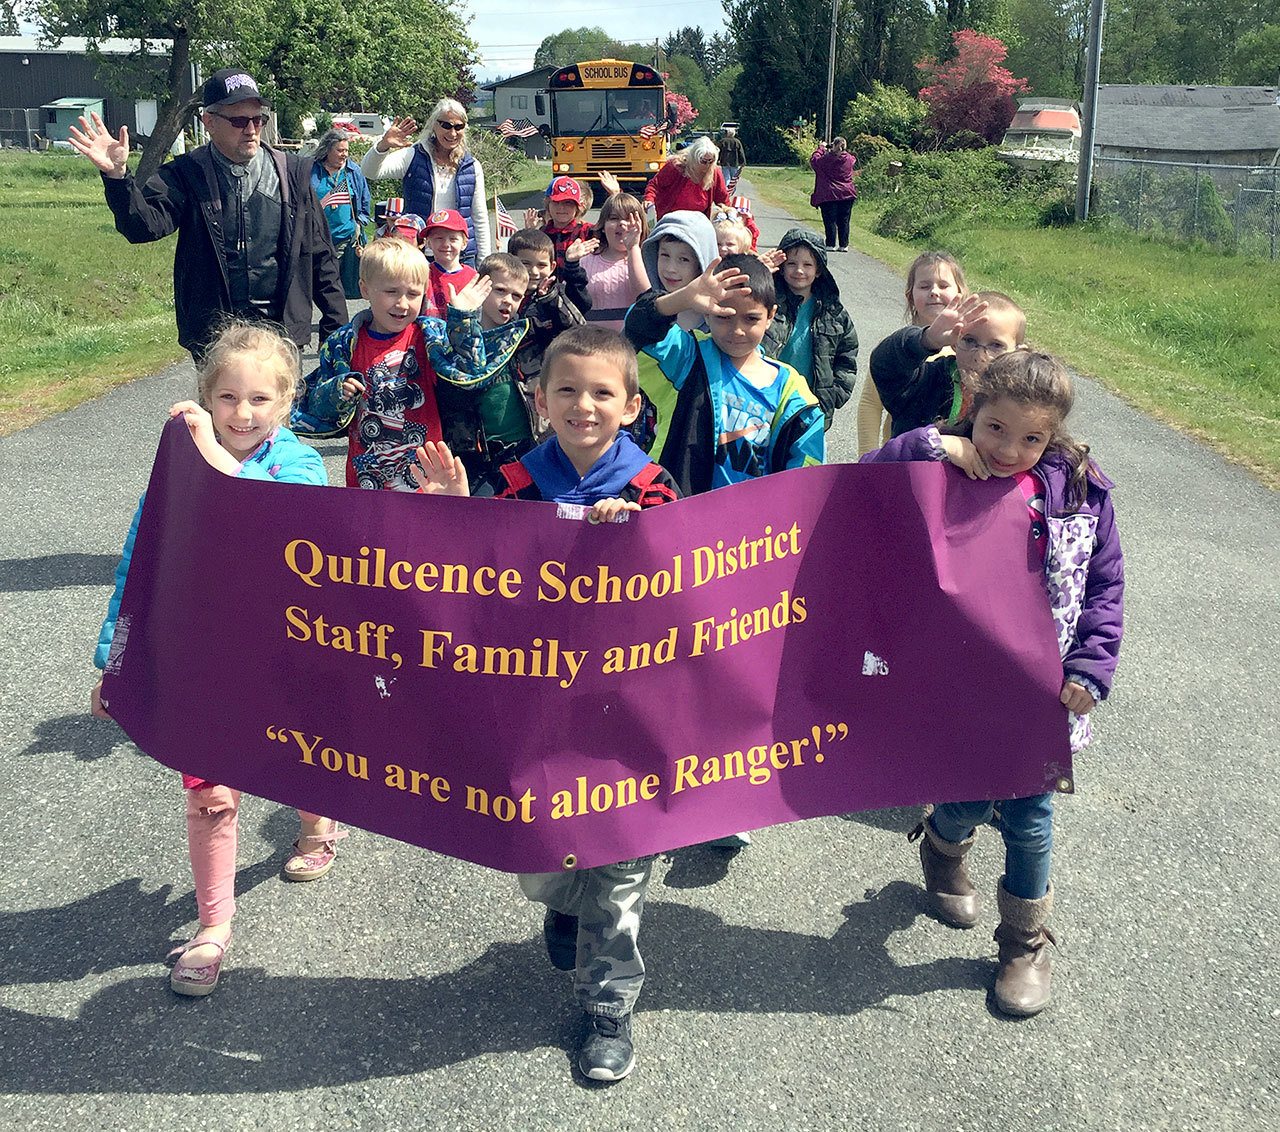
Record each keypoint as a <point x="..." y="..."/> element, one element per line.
<point x="949" y="893"/>
<point x="1022" y="982"/>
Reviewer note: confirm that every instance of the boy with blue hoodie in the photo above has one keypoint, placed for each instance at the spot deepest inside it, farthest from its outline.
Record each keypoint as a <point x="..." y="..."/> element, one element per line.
<point x="589" y="390"/>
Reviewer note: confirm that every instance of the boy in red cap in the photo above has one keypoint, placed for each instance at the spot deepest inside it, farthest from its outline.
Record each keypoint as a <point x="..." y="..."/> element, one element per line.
<point x="446" y="238"/>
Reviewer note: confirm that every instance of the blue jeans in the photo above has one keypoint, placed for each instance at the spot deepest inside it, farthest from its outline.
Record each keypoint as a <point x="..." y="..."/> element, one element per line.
<point x="1027" y="827"/>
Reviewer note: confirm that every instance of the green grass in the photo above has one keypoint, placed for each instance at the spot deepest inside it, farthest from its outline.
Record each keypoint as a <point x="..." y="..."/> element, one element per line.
<point x="1184" y="334"/>
<point x="81" y="310"/>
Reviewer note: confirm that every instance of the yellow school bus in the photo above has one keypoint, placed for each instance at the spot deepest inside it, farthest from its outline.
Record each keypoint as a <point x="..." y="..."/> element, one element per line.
<point x="608" y="114"/>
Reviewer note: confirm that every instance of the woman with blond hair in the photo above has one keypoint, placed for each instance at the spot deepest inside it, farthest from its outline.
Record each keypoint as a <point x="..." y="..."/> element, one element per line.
<point x="691" y="181"/>
<point x="436" y="171"/>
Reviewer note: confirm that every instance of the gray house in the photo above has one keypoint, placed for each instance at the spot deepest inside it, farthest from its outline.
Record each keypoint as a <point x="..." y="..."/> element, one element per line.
<point x="516" y="99"/>
<point x="1222" y="125"/>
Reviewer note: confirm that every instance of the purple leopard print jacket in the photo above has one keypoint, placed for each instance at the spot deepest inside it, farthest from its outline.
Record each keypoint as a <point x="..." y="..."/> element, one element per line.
<point x="1084" y="567"/>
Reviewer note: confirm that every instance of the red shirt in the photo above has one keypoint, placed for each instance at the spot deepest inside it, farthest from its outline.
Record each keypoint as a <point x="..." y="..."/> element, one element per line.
<point x="436" y="300"/>
<point x="671" y="191"/>
<point x="397" y="411"/>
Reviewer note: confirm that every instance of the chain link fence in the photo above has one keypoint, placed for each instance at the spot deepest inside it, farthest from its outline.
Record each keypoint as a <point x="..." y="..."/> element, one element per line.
<point x="19" y="128"/>
<point x="1233" y="207"/>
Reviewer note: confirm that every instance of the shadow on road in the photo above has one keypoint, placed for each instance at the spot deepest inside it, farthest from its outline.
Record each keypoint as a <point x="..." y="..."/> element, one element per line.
<point x="136" y="1037"/>
<point x="54" y="571"/>
<point x="80" y="736"/>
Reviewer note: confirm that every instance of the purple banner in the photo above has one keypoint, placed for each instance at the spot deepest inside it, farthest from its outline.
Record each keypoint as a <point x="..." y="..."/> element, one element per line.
<point x="494" y="682"/>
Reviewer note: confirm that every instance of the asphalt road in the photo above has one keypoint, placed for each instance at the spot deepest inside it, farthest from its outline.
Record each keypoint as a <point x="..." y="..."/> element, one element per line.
<point x="798" y="986"/>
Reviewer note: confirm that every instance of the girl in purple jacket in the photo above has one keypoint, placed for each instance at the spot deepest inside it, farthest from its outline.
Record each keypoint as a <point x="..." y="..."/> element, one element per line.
<point x="1015" y="430"/>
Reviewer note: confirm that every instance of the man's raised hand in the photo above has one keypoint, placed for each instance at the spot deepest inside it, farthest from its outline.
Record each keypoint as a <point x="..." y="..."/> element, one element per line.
<point x="110" y="155"/>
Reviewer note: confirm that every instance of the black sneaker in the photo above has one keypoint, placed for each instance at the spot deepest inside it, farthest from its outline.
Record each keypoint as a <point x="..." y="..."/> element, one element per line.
<point x="560" y="932"/>
<point x="607" y="1053"/>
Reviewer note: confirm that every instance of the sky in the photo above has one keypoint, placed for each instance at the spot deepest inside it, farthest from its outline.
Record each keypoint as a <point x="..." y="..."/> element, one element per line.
<point x="508" y="31"/>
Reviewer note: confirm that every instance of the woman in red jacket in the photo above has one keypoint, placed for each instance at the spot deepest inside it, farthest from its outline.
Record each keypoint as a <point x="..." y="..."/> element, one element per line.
<point x="691" y="181"/>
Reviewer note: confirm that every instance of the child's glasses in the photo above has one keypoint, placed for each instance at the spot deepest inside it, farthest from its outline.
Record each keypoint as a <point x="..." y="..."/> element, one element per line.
<point x="992" y="350"/>
<point x="242" y="121"/>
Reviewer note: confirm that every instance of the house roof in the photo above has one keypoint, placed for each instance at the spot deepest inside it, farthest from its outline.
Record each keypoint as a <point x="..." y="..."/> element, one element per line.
<point x="1208" y="119"/>
<point x="535" y="78"/>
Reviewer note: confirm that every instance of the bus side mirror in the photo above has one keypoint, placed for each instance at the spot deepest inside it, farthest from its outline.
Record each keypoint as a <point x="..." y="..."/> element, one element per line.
<point x="540" y="103"/>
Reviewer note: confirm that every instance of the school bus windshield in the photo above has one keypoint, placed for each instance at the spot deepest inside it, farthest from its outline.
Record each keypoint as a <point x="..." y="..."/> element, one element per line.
<point x="593" y="113"/>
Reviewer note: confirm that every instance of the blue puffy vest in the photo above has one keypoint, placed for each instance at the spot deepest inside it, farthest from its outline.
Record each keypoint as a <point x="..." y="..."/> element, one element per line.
<point x="419" y="190"/>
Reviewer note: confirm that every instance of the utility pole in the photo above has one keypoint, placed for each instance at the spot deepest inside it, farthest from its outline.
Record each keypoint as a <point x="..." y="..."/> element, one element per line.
<point x="1084" y="171"/>
<point x="831" y="73"/>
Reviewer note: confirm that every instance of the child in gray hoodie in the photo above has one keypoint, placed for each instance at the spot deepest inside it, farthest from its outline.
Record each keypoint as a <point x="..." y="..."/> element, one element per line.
<point x="678" y="250"/>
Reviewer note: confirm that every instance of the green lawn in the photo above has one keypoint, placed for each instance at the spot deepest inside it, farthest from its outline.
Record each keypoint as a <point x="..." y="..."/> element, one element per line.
<point x="1186" y="335"/>
<point x="81" y="310"/>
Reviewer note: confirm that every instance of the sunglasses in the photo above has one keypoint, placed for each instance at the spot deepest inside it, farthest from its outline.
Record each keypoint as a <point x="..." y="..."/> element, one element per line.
<point x="452" y="125"/>
<point x="243" y="121"/>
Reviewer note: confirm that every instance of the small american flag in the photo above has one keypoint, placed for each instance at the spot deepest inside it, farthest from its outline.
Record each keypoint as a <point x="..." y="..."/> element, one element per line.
<point x="741" y="204"/>
<point x="337" y="197"/>
<point x="517" y="128"/>
<point x="730" y="185"/>
<point x="648" y="130"/>
<point x="506" y="225"/>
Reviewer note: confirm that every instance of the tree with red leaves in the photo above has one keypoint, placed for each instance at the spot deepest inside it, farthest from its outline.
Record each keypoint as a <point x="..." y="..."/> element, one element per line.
<point x="971" y="91"/>
<point x="680" y="111"/>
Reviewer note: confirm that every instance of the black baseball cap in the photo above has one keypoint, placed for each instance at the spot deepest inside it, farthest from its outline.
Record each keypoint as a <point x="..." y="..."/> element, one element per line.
<point x="229" y="86"/>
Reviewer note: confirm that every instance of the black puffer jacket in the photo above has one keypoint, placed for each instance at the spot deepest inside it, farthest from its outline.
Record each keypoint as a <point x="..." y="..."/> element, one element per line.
<point x="835" y="341"/>
<point x="183" y="197"/>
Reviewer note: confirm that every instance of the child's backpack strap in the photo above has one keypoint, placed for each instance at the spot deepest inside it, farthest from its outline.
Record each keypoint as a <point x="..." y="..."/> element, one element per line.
<point x="645" y="491"/>
<point x="517" y="477"/>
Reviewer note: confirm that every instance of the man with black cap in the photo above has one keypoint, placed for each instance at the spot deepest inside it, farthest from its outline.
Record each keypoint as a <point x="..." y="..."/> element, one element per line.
<point x="252" y="238"/>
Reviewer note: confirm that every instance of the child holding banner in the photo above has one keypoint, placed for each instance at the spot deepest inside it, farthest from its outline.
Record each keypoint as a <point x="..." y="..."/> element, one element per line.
<point x="1015" y="429"/>
<point x="589" y="389"/>
<point x="246" y="387"/>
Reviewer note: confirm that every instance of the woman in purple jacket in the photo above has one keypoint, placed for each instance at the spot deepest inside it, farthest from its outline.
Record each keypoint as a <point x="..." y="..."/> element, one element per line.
<point x="834" y="191"/>
<point x="1015" y="430"/>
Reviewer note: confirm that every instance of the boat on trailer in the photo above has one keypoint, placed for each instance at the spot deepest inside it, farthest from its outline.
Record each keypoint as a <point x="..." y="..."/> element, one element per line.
<point x="1044" y="132"/>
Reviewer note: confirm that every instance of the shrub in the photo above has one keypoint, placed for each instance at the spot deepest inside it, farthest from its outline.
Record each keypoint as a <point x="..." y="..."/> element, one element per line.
<point x="888" y="112"/>
<point x="938" y="189"/>
<point x="866" y="147"/>
<point x="801" y="140"/>
<point x="1177" y="206"/>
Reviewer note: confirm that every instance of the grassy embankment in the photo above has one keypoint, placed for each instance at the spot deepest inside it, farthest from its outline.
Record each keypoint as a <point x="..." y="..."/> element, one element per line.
<point x="1184" y="334"/>
<point x="81" y="309"/>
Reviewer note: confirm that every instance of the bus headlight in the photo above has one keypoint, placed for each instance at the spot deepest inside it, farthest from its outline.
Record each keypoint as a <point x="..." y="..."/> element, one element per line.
<point x="652" y="165"/>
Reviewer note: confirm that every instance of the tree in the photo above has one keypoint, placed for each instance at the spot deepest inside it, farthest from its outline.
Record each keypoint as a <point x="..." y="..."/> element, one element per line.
<point x="1257" y="57"/>
<point x="684" y="75"/>
<point x="575" y="44"/>
<point x="722" y="53"/>
<point x="783" y="48"/>
<point x="691" y="43"/>
<point x="9" y="17"/>
<point x="1051" y="47"/>
<point x="372" y="54"/>
<point x="971" y="91"/>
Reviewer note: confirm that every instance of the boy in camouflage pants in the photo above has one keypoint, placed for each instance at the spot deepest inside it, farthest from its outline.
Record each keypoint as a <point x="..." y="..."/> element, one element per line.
<point x="592" y="928"/>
